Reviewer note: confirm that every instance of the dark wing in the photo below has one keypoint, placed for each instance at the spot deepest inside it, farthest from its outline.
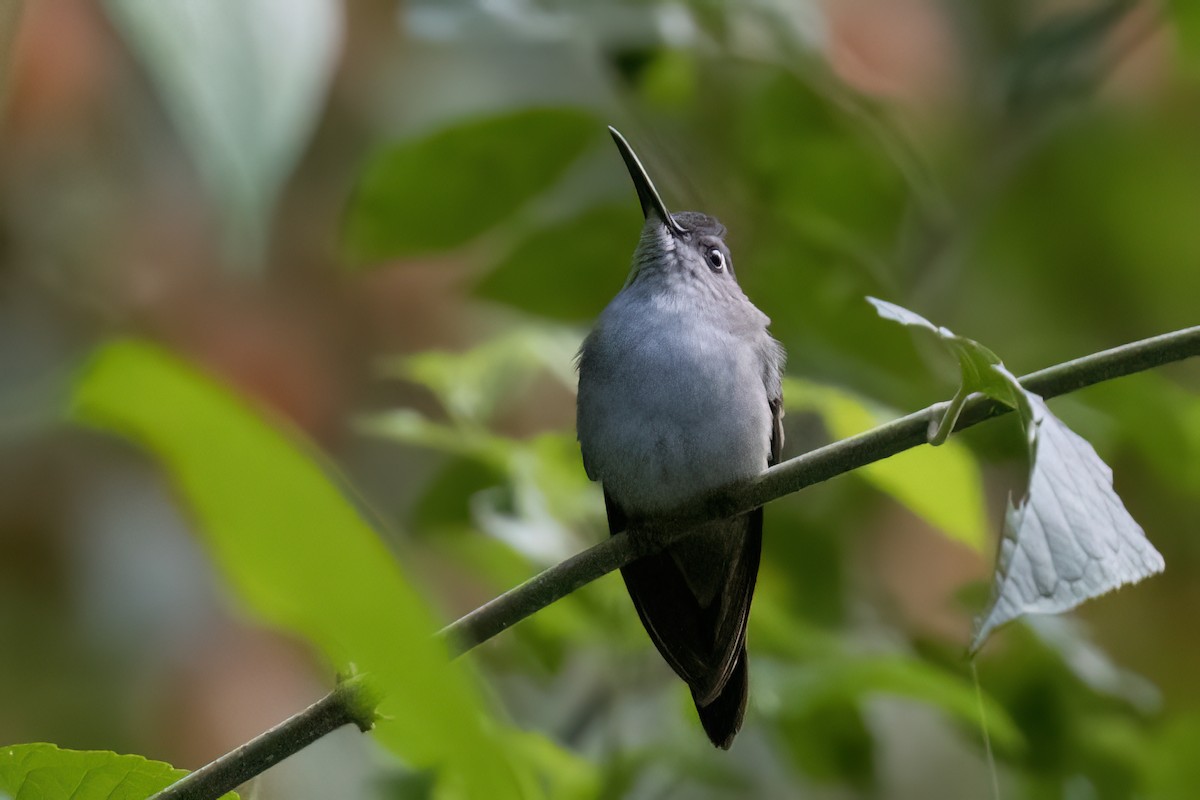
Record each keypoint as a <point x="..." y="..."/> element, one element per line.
<point x="694" y="597"/>
<point x="773" y="360"/>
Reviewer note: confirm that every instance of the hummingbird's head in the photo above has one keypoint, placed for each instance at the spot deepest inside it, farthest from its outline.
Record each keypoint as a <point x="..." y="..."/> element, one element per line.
<point x="686" y="244"/>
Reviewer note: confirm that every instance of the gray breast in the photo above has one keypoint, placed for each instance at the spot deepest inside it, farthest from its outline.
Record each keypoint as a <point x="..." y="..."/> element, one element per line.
<point x="670" y="405"/>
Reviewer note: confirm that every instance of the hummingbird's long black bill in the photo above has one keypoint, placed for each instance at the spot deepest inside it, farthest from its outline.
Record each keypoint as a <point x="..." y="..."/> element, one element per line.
<point x="647" y="194"/>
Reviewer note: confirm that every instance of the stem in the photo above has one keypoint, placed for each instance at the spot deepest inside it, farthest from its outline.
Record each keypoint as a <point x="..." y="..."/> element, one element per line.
<point x="354" y="700"/>
<point x="351" y="701"/>
<point x="939" y="431"/>
<point x="795" y="474"/>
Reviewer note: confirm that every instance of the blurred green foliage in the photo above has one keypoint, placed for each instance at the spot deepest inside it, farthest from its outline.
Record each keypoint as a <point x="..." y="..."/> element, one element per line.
<point x="565" y="271"/>
<point x="1025" y="173"/>
<point x="302" y="557"/>
<point x="943" y="485"/>
<point x="447" y="188"/>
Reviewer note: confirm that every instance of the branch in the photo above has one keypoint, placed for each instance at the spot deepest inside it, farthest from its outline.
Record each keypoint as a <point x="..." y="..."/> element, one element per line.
<point x="795" y="474"/>
<point x="351" y="701"/>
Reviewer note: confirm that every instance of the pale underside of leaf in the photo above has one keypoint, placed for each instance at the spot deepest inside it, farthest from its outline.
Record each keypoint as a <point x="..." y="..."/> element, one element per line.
<point x="1070" y="539"/>
<point x="243" y="82"/>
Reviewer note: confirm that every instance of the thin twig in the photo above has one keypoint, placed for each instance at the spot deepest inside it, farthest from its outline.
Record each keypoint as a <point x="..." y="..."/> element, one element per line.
<point x="795" y="474"/>
<point x="352" y="701"/>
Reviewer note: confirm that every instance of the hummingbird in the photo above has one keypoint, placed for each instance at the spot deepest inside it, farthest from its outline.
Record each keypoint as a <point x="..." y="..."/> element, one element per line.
<point x="679" y="394"/>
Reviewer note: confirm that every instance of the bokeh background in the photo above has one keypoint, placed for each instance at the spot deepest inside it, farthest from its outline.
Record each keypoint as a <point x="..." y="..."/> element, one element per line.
<point x="387" y="226"/>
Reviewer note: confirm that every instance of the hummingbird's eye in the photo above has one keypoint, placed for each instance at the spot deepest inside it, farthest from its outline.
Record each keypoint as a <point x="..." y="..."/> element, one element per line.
<point x="716" y="260"/>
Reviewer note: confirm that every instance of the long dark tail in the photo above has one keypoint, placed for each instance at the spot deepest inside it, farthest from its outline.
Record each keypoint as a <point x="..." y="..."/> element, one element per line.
<point x="722" y="718"/>
<point x="694" y="600"/>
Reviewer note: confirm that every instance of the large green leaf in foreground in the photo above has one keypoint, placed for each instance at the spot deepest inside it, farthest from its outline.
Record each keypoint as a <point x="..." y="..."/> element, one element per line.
<point x="45" y="772"/>
<point x="300" y="555"/>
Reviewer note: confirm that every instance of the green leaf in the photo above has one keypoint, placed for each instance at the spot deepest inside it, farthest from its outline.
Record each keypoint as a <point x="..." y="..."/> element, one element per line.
<point x="569" y="270"/>
<point x="1174" y="755"/>
<point x="471" y="385"/>
<point x="569" y="776"/>
<point x="544" y="491"/>
<point x="243" y="81"/>
<point x="855" y="678"/>
<point x="442" y="190"/>
<point x="942" y="486"/>
<point x="46" y="772"/>
<point x="819" y="672"/>
<point x="1171" y="445"/>
<point x="1094" y="668"/>
<point x="301" y="556"/>
<point x="1058" y="60"/>
<point x="547" y="487"/>
<point x="1186" y="15"/>
<point x="1070" y="538"/>
<point x="830" y="742"/>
